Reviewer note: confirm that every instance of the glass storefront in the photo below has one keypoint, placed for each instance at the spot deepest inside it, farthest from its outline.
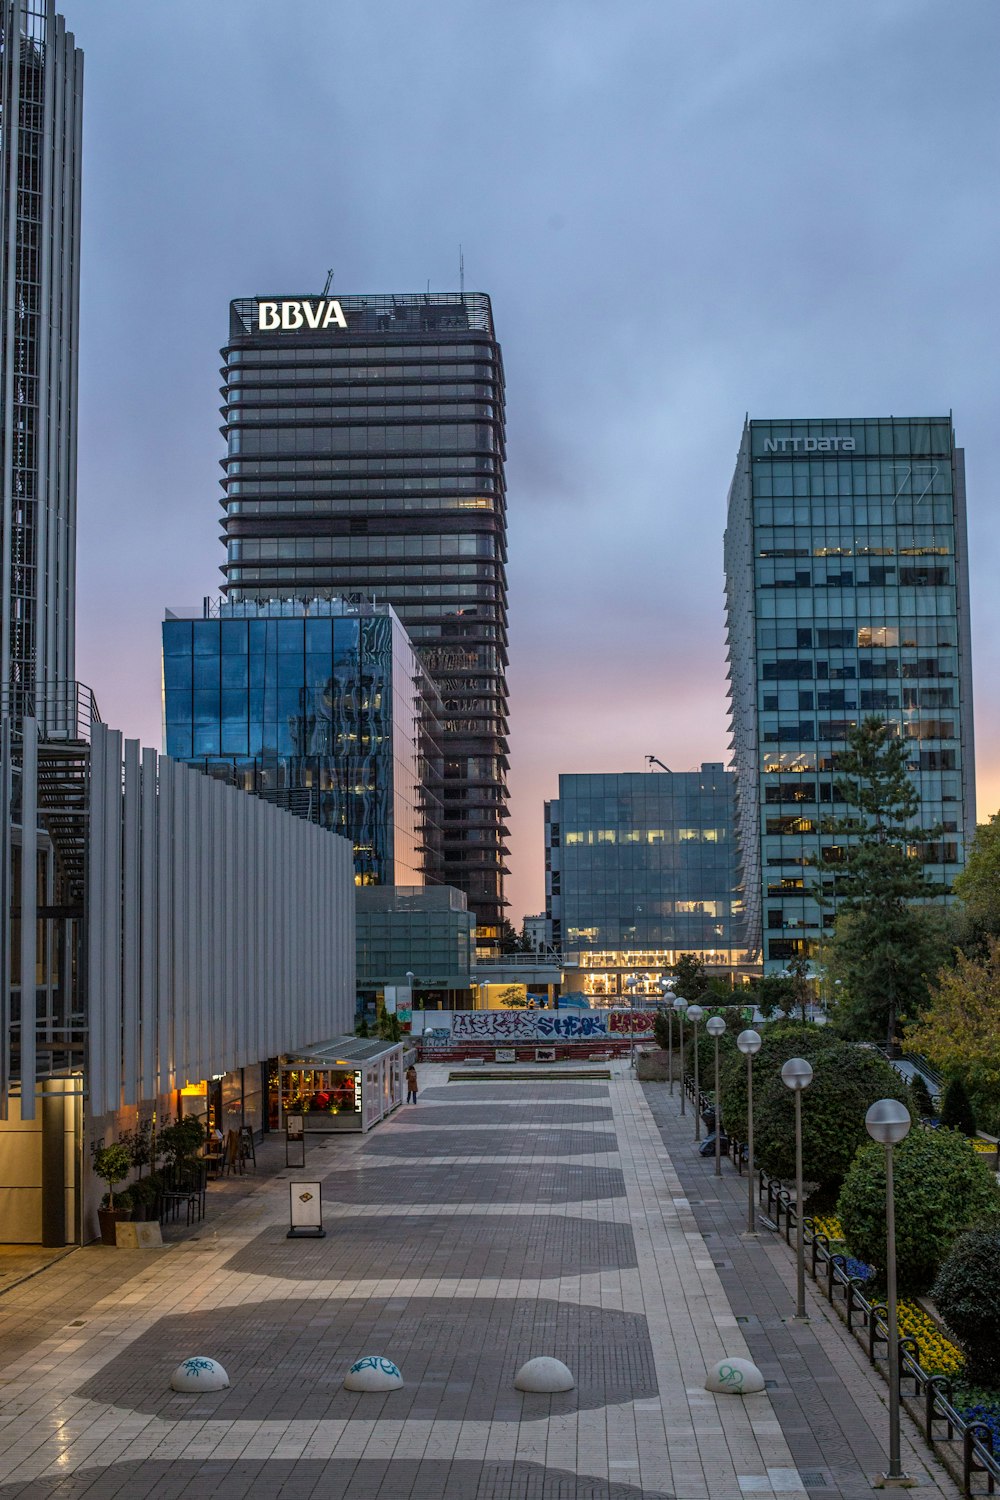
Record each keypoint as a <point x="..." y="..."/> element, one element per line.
<point x="347" y="1084"/>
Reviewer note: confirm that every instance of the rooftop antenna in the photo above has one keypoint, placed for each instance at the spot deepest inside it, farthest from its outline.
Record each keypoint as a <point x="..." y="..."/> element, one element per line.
<point x="653" y="761"/>
<point x="461" y="270"/>
<point x="329" y="281"/>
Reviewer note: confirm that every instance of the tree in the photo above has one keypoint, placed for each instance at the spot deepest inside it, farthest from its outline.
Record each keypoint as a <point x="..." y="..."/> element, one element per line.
<point x="692" y="981"/>
<point x="510" y="940"/>
<point x="941" y="1188"/>
<point x="846" y="1080"/>
<point x="959" y="1030"/>
<point x="956" y="1111"/>
<point x="885" y="945"/>
<point x="965" y="1294"/>
<point x="773" y="995"/>
<point x="112" y="1164"/>
<point x="921" y="1103"/>
<point x="978" y="888"/>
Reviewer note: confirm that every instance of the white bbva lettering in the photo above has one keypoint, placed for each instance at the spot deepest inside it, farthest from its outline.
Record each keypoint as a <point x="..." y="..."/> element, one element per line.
<point x="292" y="315"/>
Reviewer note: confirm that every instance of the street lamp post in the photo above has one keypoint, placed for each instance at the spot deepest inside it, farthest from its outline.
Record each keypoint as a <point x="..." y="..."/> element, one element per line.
<point x="715" y="1026"/>
<point x="749" y="1044"/>
<point x="680" y="1006"/>
<point x="695" y="1014"/>
<point x="665" y="990"/>
<point x="797" y="1074"/>
<point x="888" y="1122"/>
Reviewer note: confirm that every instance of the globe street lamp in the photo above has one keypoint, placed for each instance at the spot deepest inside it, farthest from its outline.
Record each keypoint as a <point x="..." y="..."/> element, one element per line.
<point x="715" y="1026"/>
<point x="797" y="1074"/>
<point x="888" y="1122"/>
<point x="749" y="1044"/>
<point x="695" y="1014"/>
<point x="680" y="1006"/>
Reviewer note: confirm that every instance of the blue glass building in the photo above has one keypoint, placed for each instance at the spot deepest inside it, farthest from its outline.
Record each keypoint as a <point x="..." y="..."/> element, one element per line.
<point x="847" y="589"/>
<point x="640" y="868"/>
<point x="322" y="707"/>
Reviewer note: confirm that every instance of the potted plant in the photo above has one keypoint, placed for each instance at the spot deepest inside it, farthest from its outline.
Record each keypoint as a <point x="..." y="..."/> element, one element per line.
<point x="111" y="1164"/>
<point x="145" y="1195"/>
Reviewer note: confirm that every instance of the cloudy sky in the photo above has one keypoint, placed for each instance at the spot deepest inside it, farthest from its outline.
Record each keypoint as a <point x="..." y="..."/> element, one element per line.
<point x="684" y="211"/>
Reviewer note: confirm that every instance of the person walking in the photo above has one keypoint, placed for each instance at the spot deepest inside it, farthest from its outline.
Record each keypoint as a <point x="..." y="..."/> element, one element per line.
<point x="411" y="1085"/>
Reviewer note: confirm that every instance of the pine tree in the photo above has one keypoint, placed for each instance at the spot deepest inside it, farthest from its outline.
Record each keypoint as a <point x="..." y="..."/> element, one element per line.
<point x="888" y="941"/>
<point x="956" y="1110"/>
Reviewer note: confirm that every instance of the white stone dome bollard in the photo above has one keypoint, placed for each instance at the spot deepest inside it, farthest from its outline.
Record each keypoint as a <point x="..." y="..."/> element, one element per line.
<point x="373" y="1373"/>
<point x="734" y="1377"/>
<point x="199" y="1373"/>
<point x="544" y="1375"/>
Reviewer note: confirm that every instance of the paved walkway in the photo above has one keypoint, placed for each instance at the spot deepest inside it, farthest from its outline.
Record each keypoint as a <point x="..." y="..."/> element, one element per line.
<point x="490" y="1223"/>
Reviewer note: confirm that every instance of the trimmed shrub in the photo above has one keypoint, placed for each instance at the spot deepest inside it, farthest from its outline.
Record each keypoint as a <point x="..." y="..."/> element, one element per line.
<point x="941" y="1188"/>
<point x="966" y="1296"/>
<point x="956" y="1110"/>
<point x="846" y="1080"/>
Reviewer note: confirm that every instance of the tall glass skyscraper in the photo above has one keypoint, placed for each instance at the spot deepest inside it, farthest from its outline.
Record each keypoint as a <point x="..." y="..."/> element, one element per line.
<point x="366" y="457"/>
<point x="41" y="92"/>
<point x="847" y="594"/>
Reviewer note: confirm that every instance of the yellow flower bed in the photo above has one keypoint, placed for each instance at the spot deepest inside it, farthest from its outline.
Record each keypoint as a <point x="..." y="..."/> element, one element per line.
<point x="938" y="1355"/>
<point x="985" y="1148"/>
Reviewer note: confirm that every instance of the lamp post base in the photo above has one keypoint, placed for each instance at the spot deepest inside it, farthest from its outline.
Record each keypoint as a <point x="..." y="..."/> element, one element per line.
<point x="893" y="1482"/>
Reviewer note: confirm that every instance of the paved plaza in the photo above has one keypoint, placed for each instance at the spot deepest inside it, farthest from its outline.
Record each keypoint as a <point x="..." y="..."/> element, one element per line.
<point x="488" y="1224"/>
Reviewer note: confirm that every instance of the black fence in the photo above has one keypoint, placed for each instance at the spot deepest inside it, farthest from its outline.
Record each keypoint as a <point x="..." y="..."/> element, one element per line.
<point x="867" y="1319"/>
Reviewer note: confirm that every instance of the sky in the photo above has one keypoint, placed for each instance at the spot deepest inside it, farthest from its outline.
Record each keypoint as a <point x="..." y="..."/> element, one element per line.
<point x="684" y="211"/>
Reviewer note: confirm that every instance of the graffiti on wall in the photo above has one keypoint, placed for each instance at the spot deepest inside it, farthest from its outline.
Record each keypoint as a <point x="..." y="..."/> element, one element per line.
<point x="545" y="1025"/>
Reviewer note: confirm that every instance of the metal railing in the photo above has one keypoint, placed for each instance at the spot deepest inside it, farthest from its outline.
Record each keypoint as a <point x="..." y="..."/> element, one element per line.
<point x="867" y="1319"/>
<point x="62" y="710"/>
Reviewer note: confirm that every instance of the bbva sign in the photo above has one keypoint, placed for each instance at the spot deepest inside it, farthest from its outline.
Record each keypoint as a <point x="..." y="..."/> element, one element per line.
<point x="288" y="316"/>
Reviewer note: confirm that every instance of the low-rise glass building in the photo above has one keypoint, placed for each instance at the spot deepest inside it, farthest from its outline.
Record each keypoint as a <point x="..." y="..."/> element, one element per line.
<point x="640" y="868"/>
<point x="323" y="707"/>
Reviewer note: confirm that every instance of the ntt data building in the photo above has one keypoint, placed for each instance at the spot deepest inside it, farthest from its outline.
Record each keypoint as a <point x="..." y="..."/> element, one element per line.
<point x="847" y="588"/>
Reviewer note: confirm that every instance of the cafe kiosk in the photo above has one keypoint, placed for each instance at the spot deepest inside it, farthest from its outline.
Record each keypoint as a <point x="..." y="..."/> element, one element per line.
<point x="347" y="1084"/>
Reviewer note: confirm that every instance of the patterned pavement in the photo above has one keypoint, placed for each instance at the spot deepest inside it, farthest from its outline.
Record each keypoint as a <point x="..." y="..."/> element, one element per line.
<point x="491" y="1223"/>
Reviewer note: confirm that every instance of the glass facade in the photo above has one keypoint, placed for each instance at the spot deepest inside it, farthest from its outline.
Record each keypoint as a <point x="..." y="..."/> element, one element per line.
<point x="41" y="98"/>
<point x="366" y="457"/>
<point x="847" y="595"/>
<point x="641" y="867"/>
<point x="323" y="709"/>
<point x="430" y="933"/>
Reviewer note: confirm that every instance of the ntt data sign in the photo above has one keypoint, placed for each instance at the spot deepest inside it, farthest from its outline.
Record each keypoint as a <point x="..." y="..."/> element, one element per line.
<point x="810" y="445"/>
<point x="289" y="317"/>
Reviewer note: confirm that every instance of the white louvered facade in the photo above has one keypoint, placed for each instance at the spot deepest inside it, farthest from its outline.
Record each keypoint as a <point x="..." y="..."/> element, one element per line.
<point x="220" y="929"/>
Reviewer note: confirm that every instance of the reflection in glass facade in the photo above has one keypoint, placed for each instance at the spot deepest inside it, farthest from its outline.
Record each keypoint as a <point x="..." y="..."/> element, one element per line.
<point x="366" y="457"/>
<point x="323" y="709"/>
<point x="641" y="867"/>
<point x="847" y="590"/>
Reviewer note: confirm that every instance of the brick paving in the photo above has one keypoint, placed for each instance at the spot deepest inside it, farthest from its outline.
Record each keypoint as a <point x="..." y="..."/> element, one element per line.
<point x="551" y="1221"/>
<point x="504" y="1246"/>
<point x="831" y="1405"/>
